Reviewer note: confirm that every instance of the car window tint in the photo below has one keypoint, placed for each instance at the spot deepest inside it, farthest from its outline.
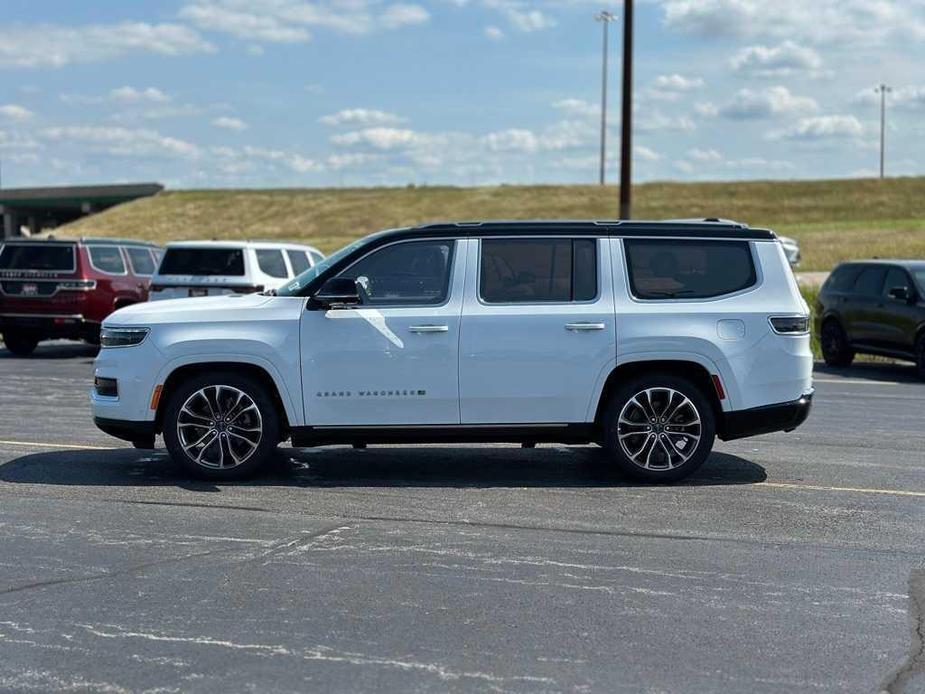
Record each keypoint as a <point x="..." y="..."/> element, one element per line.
<point x="870" y="281"/>
<point x="667" y="269"/>
<point x="185" y="260"/>
<point x="141" y="261"/>
<point x="107" y="259"/>
<point x="895" y="278"/>
<point x="40" y="256"/>
<point x="842" y="278"/>
<point x="271" y="262"/>
<point x="411" y="273"/>
<point x="299" y="261"/>
<point x="315" y="257"/>
<point x="537" y="270"/>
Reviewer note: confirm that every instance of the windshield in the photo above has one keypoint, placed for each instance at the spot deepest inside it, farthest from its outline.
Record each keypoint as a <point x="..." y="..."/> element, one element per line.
<point x="919" y="274"/>
<point x="299" y="283"/>
<point x="52" y="257"/>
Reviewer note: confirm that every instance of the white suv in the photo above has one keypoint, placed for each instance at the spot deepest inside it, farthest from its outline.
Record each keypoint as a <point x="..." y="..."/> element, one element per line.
<point x="648" y="338"/>
<point x="204" y="268"/>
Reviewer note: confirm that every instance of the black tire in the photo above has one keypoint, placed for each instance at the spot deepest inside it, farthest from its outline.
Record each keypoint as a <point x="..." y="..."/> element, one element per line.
<point x="920" y="356"/>
<point x="217" y="386"/>
<point x="22" y="345"/>
<point x="666" y="460"/>
<point x="836" y="350"/>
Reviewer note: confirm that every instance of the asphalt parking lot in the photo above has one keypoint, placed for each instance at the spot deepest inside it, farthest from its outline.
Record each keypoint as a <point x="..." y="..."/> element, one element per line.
<point x="791" y="562"/>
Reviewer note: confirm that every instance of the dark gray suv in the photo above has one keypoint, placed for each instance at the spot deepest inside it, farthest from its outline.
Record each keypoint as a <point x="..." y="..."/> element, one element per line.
<point x="874" y="307"/>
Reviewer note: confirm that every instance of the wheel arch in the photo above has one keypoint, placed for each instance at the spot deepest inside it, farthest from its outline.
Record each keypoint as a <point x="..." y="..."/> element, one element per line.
<point x="694" y="371"/>
<point x="182" y="372"/>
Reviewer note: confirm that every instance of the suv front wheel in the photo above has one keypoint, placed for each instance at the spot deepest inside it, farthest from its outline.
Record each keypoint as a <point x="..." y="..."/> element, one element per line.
<point x="221" y="426"/>
<point x="659" y="428"/>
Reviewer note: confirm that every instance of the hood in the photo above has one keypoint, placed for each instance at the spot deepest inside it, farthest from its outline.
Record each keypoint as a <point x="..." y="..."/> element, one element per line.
<point x="205" y="309"/>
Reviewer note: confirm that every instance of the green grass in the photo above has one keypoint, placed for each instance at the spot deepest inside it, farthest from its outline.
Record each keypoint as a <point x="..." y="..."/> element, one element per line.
<point x="810" y="294"/>
<point x="833" y="220"/>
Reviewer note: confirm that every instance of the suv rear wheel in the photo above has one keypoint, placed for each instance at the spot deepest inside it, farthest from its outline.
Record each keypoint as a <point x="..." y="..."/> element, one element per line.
<point x="836" y="350"/>
<point x="22" y="345"/>
<point x="221" y="426"/>
<point x="659" y="428"/>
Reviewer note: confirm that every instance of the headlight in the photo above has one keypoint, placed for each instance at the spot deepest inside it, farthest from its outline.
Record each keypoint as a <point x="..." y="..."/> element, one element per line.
<point x="122" y="337"/>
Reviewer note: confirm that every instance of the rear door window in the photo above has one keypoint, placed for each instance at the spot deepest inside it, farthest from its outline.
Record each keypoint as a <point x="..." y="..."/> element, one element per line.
<point x="524" y="271"/>
<point x="682" y="269"/>
<point x="107" y="259"/>
<point x="870" y="281"/>
<point x="270" y="261"/>
<point x="141" y="260"/>
<point x="299" y="261"/>
<point x="228" y="262"/>
<point x="58" y="257"/>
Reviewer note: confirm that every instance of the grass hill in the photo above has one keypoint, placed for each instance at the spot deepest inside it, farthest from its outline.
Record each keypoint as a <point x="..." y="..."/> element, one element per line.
<point x="832" y="220"/>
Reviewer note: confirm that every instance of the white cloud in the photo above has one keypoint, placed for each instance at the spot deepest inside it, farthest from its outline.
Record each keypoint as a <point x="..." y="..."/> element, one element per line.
<point x="512" y="140"/>
<point x="646" y="154"/>
<point x="706" y="108"/>
<point x="704" y="154"/>
<point x="291" y="21"/>
<point x="673" y="87"/>
<point x="773" y="101"/>
<point x="229" y="123"/>
<point x="128" y="142"/>
<point x="769" y="61"/>
<point x="906" y="98"/>
<point x="576" y="107"/>
<point x="131" y="95"/>
<point x="51" y="45"/>
<point x="494" y="33"/>
<point x="378" y="138"/>
<point x="292" y="161"/>
<point x="15" y="112"/>
<point x="821" y="128"/>
<point x="361" y="117"/>
<point x="351" y="160"/>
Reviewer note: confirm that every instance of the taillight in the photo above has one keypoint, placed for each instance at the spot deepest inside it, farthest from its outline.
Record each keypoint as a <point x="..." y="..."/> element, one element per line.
<point x="789" y="325"/>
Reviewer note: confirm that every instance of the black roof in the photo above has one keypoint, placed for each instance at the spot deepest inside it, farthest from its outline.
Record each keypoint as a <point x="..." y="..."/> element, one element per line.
<point x="917" y="263"/>
<point x="708" y="228"/>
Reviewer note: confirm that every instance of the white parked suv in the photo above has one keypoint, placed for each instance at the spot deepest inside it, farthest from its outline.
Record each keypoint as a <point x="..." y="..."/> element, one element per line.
<point x="205" y="268"/>
<point x="648" y="338"/>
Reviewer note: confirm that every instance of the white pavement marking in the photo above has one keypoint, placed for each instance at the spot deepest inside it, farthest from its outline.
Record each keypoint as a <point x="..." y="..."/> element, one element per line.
<point x="824" y="488"/>
<point x="36" y="444"/>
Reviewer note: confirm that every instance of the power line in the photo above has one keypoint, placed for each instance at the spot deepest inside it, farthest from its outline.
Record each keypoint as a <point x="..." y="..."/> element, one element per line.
<point x="605" y="18"/>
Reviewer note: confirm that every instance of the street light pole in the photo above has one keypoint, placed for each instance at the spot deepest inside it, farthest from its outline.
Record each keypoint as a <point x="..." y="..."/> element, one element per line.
<point x="883" y="91"/>
<point x="605" y="18"/>
<point x="626" y="131"/>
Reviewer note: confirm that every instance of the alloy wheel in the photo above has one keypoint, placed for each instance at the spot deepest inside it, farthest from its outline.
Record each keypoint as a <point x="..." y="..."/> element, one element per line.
<point x="659" y="428"/>
<point x="219" y="427"/>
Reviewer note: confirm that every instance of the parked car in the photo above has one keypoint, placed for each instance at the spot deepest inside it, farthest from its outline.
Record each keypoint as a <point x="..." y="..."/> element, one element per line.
<point x="56" y="288"/>
<point x="791" y="250"/>
<point x="203" y="268"/>
<point x="647" y="338"/>
<point x="873" y="307"/>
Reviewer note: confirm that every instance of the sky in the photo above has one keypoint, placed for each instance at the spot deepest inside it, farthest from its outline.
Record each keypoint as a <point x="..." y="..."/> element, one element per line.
<point x="280" y="93"/>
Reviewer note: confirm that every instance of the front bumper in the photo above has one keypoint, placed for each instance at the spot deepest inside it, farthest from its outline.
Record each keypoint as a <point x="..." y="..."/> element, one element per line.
<point x="785" y="416"/>
<point x="50" y="325"/>
<point x="141" y="434"/>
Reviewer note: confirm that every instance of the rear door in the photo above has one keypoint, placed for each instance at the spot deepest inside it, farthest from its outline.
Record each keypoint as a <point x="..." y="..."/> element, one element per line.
<point x="862" y="308"/>
<point x="538" y="329"/>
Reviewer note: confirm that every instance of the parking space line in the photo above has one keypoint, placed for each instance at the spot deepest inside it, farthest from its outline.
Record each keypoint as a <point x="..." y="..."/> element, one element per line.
<point x="35" y="444"/>
<point x="825" y="488"/>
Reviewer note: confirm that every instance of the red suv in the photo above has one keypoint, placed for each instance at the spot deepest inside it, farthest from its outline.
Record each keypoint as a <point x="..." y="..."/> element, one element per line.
<point x="53" y="288"/>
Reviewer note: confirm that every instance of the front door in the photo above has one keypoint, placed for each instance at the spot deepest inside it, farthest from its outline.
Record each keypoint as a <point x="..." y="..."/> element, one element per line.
<point x="393" y="359"/>
<point x="538" y="329"/>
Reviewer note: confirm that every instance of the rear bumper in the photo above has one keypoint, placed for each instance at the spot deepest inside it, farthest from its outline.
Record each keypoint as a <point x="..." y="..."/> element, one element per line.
<point x="785" y="416"/>
<point x="49" y="324"/>
<point x="127" y="430"/>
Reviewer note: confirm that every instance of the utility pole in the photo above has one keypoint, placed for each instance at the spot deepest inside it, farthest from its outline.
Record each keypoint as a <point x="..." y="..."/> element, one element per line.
<point x="626" y="130"/>
<point x="605" y="18"/>
<point x="883" y="90"/>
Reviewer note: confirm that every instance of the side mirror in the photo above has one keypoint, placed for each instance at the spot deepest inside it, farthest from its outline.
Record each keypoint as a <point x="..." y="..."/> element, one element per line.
<point x="900" y="294"/>
<point x="338" y="292"/>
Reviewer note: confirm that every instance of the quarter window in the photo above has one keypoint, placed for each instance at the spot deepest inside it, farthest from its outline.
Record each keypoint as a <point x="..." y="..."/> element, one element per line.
<point x="141" y="261"/>
<point x="525" y="271"/>
<point x="668" y="269"/>
<point x="299" y="261"/>
<point x="107" y="259"/>
<point x="410" y="273"/>
<point x="271" y="262"/>
<point x="842" y="278"/>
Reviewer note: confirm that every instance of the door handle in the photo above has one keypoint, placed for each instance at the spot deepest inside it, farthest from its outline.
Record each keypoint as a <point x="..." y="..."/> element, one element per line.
<point x="584" y="326"/>
<point x="429" y="328"/>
